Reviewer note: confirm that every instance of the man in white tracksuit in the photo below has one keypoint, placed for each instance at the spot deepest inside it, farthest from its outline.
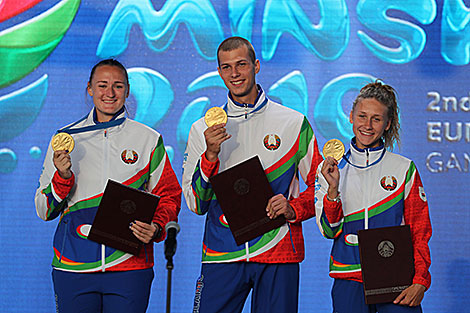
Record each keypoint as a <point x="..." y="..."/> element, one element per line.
<point x="284" y="141"/>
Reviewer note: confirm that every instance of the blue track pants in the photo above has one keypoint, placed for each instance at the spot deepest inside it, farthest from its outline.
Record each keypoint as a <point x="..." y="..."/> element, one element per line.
<point x="102" y="292"/>
<point x="224" y="287"/>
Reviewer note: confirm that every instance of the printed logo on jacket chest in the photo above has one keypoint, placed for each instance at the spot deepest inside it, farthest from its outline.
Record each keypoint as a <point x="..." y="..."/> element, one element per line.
<point x="129" y="156"/>
<point x="389" y="183"/>
<point x="272" y="142"/>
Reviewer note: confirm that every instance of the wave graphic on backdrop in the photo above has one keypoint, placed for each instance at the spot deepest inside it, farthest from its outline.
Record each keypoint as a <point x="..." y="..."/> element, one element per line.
<point x="191" y="113"/>
<point x="10" y="8"/>
<point x="160" y="27"/>
<point x="455" y="32"/>
<point x="329" y="115"/>
<point x="153" y="94"/>
<point x="18" y="110"/>
<point x="328" y="39"/>
<point x="411" y="38"/>
<point x="8" y="161"/>
<point x="24" y="46"/>
<point x="291" y="91"/>
<point x="241" y="14"/>
<point x="208" y="80"/>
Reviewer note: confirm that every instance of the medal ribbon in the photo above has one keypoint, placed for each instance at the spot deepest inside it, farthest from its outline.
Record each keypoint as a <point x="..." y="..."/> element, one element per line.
<point x="116" y="122"/>
<point x="113" y="122"/>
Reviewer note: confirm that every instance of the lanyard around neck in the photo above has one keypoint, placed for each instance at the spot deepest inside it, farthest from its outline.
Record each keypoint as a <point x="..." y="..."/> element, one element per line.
<point x="103" y="125"/>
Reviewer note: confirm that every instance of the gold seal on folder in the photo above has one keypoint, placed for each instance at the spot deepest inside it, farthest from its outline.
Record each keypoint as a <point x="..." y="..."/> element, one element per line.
<point x="63" y="141"/>
<point x="214" y="116"/>
<point x="333" y="148"/>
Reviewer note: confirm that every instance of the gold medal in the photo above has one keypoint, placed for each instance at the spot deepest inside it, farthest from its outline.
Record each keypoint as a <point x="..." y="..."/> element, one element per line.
<point x="333" y="148"/>
<point x="62" y="141"/>
<point x="214" y="116"/>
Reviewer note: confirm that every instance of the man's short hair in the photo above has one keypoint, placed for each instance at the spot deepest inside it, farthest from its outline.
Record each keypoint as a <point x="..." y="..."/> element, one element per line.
<point x="236" y="42"/>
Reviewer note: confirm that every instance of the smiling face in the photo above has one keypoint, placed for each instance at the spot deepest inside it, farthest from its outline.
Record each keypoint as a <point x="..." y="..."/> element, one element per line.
<point x="370" y="121"/>
<point x="109" y="89"/>
<point x="238" y="73"/>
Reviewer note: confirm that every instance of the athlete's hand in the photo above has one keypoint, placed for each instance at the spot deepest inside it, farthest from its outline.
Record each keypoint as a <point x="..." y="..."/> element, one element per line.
<point x="278" y="205"/>
<point x="143" y="231"/>
<point x="62" y="163"/>
<point x="411" y="296"/>
<point x="330" y="171"/>
<point x="214" y="136"/>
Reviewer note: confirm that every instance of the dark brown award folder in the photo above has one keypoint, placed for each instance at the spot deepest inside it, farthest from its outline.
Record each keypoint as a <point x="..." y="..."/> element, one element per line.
<point x="243" y="192"/>
<point x="386" y="261"/>
<point x="119" y="206"/>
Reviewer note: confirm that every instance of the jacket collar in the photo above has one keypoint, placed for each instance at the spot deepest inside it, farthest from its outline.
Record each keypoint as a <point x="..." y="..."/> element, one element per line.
<point x="365" y="157"/>
<point x="118" y="114"/>
<point x="237" y="109"/>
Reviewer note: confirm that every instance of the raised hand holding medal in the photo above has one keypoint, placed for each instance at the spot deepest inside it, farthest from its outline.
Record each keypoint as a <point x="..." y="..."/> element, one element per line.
<point x="215" y="118"/>
<point x="333" y="151"/>
<point x="63" y="144"/>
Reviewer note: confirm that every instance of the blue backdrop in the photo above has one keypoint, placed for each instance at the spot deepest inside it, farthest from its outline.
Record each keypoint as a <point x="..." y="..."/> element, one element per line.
<point x="314" y="55"/>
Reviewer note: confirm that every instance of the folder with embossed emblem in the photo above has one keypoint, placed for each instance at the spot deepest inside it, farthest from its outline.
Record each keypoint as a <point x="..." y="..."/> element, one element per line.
<point x="119" y="206"/>
<point x="386" y="261"/>
<point x="243" y="192"/>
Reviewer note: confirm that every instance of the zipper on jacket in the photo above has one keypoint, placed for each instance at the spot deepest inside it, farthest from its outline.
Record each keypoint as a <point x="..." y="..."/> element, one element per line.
<point x="291" y="240"/>
<point x="63" y="241"/>
<point x="105" y="178"/>
<point x="246" y="110"/>
<point x="103" y="257"/>
<point x="368" y="182"/>
<point x="146" y="255"/>
<point x="247" y="250"/>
